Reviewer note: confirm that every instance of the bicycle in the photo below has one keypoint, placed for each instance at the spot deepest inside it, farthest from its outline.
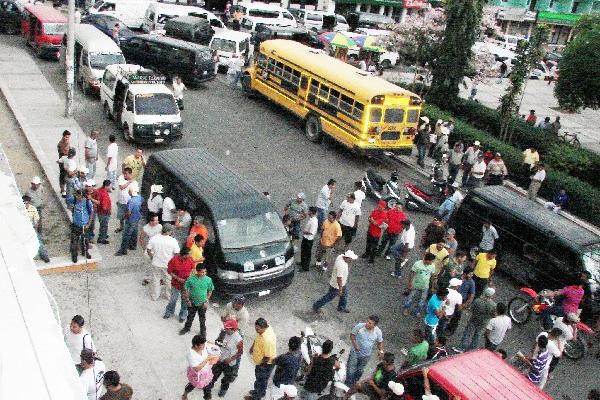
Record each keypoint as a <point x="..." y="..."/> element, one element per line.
<point x="570" y="138"/>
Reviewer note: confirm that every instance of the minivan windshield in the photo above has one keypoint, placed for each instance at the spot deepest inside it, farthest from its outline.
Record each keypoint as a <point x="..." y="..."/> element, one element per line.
<point x="223" y="45"/>
<point x="54" y="28"/>
<point x="155" y="104"/>
<point x="240" y="233"/>
<point x="591" y="262"/>
<point x="102" y="60"/>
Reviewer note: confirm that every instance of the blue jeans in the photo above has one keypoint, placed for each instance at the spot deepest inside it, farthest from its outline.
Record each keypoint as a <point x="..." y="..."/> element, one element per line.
<point x="421" y="295"/>
<point x="321" y="215"/>
<point x="112" y="177"/>
<point x="421" y="150"/>
<point x="129" y="241"/>
<point x="470" y="339"/>
<point x="355" y="367"/>
<point x="262" y="374"/>
<point x="103" y="228"/>
<point x="330" y="296"/>
<point x="430" y="333"/>
<point x="387" y="240"/>
<point x="170" y="310"/>
<point x="42" y="253"/>
<point x="235" y="79"/>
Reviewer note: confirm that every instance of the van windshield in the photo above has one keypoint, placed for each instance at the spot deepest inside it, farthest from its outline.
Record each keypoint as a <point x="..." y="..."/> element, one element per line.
<point x="102" y="60"/>
<point x="223" y="45"/>
<point x="591" y="262"/>
<point x="264" y="13"/>
<point x="155" y="104"/>
<point x="240" y="233"/>
<point x="54" y="28"/>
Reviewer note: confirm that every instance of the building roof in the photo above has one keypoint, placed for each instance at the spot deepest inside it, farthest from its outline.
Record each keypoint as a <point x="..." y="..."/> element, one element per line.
<point x="333" y="70"/>
<point x="46" y="13"/>
<point x="227" y="194"/>
<point x="182" y="44"/>
<point x="481" y="375"/>
<point x="537" y="215"/>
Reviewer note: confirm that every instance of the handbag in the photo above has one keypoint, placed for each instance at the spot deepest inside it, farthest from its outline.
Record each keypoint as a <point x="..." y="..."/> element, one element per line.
<point x="200" y="379"/>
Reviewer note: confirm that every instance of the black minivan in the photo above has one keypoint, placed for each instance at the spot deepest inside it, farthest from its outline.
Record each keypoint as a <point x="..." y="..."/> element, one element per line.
<point x="248" y="250"/>
<point x="537" y="247"/>
<point x="192" y="62"/>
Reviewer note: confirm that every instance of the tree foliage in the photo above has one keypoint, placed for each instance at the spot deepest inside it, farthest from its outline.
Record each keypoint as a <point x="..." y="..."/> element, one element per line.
<point x="463" y="24"/>
<point x="579" y="83"/>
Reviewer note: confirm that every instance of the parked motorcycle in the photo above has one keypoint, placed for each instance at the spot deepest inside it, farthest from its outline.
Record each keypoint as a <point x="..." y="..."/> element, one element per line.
<point x="376" y="186"/>
<point x="417" y="199"/>
<point x="528" y="302"/>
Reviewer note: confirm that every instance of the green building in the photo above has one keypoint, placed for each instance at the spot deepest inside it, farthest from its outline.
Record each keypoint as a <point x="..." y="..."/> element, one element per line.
<point x="518" y="16"/>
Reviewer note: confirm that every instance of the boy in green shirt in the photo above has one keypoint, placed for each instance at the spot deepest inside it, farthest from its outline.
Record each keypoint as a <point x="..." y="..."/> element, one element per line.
<point x="197" y="291"/>
<point x="419" y="281"/>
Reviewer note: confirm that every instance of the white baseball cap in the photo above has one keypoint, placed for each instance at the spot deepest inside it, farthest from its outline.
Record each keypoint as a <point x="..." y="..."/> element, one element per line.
<point x="83" y="169"/>
<point x="156" y="189"/>
<point x="430" y="397"/>
<point x="425" y="119"/>
<point x="36" y="180"/>
<point x="476" y="143"/>
<point x="89" y="183"/>
<point x="289" y="390"/>
<point x="454" y="282"/>
<point x="350" y="254"/>
<point x="396" y="387"/>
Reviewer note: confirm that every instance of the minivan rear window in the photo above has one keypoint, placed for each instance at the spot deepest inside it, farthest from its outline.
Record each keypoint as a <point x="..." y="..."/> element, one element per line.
<point x="102" y="60"/>
<point x="155" y="104"/>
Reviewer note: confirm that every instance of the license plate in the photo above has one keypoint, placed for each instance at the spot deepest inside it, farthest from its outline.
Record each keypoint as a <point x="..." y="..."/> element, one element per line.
<point x="264" y="292"/>
<point x="159" y="140"/>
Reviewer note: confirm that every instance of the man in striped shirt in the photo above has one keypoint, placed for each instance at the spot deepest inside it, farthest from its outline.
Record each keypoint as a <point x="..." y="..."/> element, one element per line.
<point x="538" y="364"/>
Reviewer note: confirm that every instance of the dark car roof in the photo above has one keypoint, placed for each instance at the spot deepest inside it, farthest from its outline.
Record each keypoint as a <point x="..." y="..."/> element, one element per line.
<point x="226" y="193"/>
<point x="182" y="44"/>
<point x="537" y="215"/>
<point x="189" y="19"/>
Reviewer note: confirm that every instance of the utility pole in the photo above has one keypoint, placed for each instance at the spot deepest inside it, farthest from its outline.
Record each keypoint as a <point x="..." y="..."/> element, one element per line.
<point x="70" y="59"/>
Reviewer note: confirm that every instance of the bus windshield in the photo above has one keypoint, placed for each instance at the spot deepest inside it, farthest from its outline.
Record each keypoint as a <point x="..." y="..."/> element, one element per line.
<point x="155" y="104"/>
<point x="102" y="60"/>
<point x="55" y="28"/>
<point x="240" y="233"/>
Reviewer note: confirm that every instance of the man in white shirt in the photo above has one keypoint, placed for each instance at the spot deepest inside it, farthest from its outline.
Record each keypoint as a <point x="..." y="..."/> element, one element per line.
<point x="91" y="153"/>
<point x="308" y="236"/>
<point x="178" y="88"/>
<point x="123" y="181"/>
<point x="337" y="283"/>
<point x="497" y="327"/>
<point x="536" y="182"/>
<point x="77" y="338"/>
<point x="92" y="375"/>
<point x="348" y="216"/>
<point x="324" y="201"/>
<point x="155" y="201"/>
<point x="477" y="173"/>
<point x="359" y="195"/>
<point x="152" y="228"/>
<point x="453" y="303"/>
<point x="161" y="248"/>
<point x="112" y="155"/>
<point x="403" y="246"/>
<point x="169" y="211"/>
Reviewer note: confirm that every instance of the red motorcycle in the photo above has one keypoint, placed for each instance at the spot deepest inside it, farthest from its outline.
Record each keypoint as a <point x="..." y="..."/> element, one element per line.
<point x="530" y="302"/>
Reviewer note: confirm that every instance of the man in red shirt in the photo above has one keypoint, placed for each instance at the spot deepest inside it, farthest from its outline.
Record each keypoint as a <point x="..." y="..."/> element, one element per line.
<point x="377" y="222"/>
<point x="179" y="268"/>
<point x="103" y="206"/>
<point x="395" y="216"/>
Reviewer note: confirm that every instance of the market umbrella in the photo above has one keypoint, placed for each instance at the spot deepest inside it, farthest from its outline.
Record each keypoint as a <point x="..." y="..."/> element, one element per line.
<point x="370" y="44"/>
<point x="337" y="39"/>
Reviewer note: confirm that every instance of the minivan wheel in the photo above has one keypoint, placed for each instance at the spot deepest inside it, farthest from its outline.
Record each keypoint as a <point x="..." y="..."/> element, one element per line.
<point x="385" y="64"/>
<point x="312" y="129"/>
<point x="107" y="111"/>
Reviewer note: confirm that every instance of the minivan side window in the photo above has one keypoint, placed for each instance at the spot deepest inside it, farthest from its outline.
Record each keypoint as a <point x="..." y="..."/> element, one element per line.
<point x="129" y="101"/>
<point x="109" y="79"/>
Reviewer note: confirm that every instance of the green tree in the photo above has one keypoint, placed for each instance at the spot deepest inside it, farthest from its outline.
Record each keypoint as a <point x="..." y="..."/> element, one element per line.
<point x="463" y="21"/>
<point x="529" y="54"/>
<point x="579" y="83"/>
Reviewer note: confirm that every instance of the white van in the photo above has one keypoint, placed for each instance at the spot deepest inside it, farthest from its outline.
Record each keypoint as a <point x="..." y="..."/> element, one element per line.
<point x="267" y="11"/>
<point x="141" y="104"/>
<point x="131" y="12"/>
<point x="249" y="24"/>
<point x="228" y="43"/>
<point x="94" y="51"/>
<point x="313" y="19"/>
<point x="158" y="13"/>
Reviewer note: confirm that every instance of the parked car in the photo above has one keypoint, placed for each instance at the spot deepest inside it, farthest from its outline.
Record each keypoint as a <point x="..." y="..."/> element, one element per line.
<point x="230" y="43"/>
<point x="190" y="28"/>
<point x="131" y="12"/>
<point x="10" y="16"/>
<point x="106" y="23"/>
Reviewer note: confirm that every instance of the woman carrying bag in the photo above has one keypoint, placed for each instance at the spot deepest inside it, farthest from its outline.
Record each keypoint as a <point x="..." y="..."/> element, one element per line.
<point x="199" y="371"/>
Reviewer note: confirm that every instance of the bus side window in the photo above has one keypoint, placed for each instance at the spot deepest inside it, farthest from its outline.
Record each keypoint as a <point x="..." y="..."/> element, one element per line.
<point x="334" y="97"/>
<point x="314" y="86"/>
<point x="304" y="82"/>
<point x="262" y="60"/>
<point x="324" y="92"/>
<point x="295" y="77"/>
<point x="346" y="104"/>
<point x="357" y="112"/>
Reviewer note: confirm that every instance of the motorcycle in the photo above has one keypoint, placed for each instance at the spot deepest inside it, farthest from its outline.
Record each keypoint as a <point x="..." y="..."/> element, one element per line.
<point x="419" y="199"/>
<point x="528" y="302"/>
<point x="376" y="186"/>
<point x="310" y="347"/>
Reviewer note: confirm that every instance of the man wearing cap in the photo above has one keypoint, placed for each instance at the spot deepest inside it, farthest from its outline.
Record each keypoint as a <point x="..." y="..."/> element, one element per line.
<point x="91" y="153"/>
<point x="197" y="291"/>
<point x="232" y="349"/>
<point x="337" y="283"/>
<point x="467" y="292"/>
<point x="482" y="310"/>
<point x="377" y="223"/>
<point x="421" y="140"/>
<point x="566" y="325"/>
<point x="308" y="235"/>
<point x="34" y="217"/>
<point x="92" y="375"/>
<point x="441" y="145"/>
<point x="83" y="213"/>
<point x="36" y="195"/>
<point x="471" y="157"/>
<point x="132" y="219"/>
<point x="297" y="210"/>
<point x="348" y="216"/>
<point x="324" y="201"/>
<point x="454" y="302"/>
<point x="530" y="159"/>
<point x="496" y="170"/>
<point x="180" y="267"/>
<point x="103" y="210"/>
<point x="155" y="201"/>
<point x="161" y="249"/>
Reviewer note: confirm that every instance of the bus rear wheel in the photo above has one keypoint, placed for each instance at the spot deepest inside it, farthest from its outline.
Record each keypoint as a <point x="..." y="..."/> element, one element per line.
<point x="312" y="129"/>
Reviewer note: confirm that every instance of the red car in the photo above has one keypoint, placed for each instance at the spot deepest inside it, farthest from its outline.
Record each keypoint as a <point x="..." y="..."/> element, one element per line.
<point x="43" y="28"/>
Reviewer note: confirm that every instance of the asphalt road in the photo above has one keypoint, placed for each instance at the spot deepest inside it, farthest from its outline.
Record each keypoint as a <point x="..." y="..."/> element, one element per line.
<point x="265" y="144"/>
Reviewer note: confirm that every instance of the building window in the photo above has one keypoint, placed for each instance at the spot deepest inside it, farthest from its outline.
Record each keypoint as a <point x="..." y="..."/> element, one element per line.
<point x="575" y="5"/>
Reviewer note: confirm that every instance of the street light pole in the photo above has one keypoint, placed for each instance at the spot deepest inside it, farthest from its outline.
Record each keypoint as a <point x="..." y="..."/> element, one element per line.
<point x="70" y="59"/>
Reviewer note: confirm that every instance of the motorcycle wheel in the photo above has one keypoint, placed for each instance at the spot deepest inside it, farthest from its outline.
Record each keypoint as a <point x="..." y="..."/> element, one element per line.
<point x="575" y="349"/>
<point x="519" y="310"/>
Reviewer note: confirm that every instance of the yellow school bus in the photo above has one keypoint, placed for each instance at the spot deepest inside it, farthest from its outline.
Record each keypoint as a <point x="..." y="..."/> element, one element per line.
<point x="363" y="112"/>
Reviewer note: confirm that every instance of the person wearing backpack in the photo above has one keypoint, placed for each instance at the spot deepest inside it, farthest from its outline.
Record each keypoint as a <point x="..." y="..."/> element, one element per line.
<point x="320" y="372"/>
<point x="83" y="215"/>
<point x="77" y="338"/>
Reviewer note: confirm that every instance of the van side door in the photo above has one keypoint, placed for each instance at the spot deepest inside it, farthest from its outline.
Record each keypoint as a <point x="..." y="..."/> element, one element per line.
<point x="128" y="111"/>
